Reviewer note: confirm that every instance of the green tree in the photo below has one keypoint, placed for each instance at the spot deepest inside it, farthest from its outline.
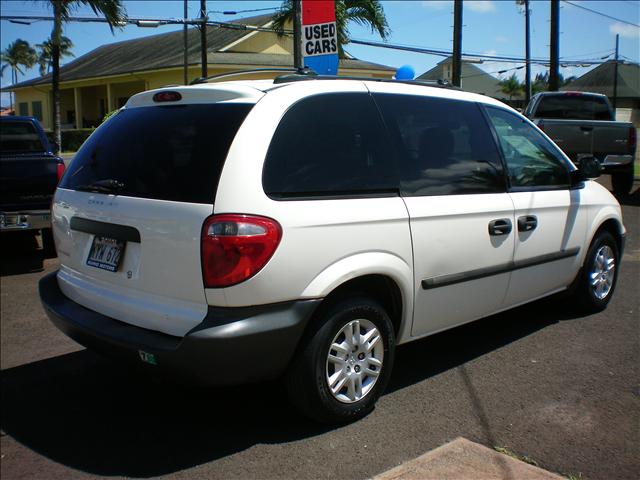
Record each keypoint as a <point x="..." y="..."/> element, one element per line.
<point x="113" y="11"/>
<point x="368" y="13"/>
<point x="541" y="82"/>
<point x="511" y="86"/>
<point x="18" y="54"/>
<point x="45" y="55"/>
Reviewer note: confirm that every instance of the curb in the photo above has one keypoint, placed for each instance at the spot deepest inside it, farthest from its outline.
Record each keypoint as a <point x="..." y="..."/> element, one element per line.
<point x="463" y="459"/>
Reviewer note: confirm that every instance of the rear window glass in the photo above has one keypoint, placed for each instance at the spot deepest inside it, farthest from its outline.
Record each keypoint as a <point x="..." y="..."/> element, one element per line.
<point x="572" y="106"/>
<point x="444" y="147"/>
<point x="19" y="137"/>
<point x="167" y="152"/>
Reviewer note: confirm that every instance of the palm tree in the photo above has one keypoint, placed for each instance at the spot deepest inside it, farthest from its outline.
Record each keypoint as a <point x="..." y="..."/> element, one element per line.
<point x="113" y="12"/>
<point x="18" y="54"/>
<point x="363" y="12"/>
<point x="45" y="56"/>
<point x="511" y="86"/>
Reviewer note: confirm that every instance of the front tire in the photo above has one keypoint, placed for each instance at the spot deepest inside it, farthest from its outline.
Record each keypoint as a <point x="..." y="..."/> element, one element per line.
<point x="599" y="274"/>
<point x="345" y="363"/>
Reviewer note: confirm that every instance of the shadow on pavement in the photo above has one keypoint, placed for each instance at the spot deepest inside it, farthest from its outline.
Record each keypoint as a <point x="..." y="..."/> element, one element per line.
<point x="93" y="415"/>
<point x="20" y="252"/>
<point x="632" y="199"/>
<point x="89" y="414"/>
<point x="430" y="356"/>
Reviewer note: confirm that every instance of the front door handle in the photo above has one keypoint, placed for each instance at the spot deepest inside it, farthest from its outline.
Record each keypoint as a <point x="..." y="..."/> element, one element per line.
<point x="501" y="226"/>
<point x="526" y="223"/>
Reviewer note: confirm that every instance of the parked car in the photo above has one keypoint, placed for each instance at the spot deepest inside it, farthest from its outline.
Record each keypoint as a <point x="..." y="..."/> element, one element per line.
<point x="29" y="173"/>
<point x="583" y="124"/>
<point x="241" y="231"/>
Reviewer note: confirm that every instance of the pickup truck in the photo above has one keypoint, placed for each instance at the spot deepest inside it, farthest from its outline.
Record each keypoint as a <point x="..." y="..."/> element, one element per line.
<point x="583" y="124"/>
<point x="29" y="174"/>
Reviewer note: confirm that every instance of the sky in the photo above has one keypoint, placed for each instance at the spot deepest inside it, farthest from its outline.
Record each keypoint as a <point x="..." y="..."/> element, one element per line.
<point x="494" y="27"/>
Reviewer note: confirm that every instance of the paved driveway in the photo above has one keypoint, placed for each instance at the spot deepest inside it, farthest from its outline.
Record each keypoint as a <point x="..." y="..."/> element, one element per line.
<point x="559" y="388"/>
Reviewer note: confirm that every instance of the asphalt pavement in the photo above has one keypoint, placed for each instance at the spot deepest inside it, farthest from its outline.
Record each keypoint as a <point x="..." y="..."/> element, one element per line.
<point x="547" y="384"/>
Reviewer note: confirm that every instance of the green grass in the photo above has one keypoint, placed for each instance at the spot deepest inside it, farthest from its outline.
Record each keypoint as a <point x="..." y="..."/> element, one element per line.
<point x="512" y="454"/>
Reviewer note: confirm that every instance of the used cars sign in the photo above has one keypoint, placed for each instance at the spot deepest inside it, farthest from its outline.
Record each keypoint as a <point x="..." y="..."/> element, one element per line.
<point x="319" y="36"/>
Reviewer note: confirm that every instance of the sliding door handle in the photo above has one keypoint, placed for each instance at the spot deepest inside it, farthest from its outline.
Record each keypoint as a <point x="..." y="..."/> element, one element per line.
<point x="526" y="223"/>
<point x="501" y="226"/>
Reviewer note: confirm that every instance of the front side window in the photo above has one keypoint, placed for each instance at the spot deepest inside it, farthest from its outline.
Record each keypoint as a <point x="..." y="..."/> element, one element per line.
<point x="330" y="145"/>
<point x="532" y="160"/>
<point x="444" y="146"/>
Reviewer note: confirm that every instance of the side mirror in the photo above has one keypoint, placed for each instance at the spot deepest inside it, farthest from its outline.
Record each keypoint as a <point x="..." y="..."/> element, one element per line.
<point x="588" y="167"/>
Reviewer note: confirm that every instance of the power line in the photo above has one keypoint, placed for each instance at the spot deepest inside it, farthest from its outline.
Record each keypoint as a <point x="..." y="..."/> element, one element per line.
<point x="600" y="13"/>
<point x="155" y="22"/>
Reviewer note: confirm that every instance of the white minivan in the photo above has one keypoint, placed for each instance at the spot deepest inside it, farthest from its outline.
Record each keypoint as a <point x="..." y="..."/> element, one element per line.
<point x="303" y="227"/>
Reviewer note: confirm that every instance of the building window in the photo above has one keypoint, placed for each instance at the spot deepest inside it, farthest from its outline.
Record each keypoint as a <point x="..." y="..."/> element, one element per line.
<point x="36" y="108"/>
<point x="23" y="109"/>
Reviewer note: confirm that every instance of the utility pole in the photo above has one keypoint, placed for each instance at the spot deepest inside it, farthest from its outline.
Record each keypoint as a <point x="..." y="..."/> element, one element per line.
<point x="297" y="34"/>
<point x="554" y="52"/>
<point x="203" y="37"/>
<point x="527" y="76"/>
<point x="615" y="78"/>
<point x="186" y="46"/>
<point x="457" y="43"/>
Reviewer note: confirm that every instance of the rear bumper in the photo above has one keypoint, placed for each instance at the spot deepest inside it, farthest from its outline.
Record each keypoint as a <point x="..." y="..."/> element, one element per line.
<point x="230" y="346"/>
<point x="617" y="161"/>
<point x="25" y="220"/>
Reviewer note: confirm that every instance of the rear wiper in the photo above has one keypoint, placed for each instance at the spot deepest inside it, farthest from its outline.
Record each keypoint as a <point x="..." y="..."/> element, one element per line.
<point x="108" y="185"/>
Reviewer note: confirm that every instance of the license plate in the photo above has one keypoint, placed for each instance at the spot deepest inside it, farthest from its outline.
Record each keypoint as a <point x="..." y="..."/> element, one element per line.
<point x="105" y="253"/>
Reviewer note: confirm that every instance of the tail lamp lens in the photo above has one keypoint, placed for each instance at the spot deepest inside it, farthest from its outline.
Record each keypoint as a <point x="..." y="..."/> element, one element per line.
<point x="236" y="247"/>
<point x="60" y="171"/>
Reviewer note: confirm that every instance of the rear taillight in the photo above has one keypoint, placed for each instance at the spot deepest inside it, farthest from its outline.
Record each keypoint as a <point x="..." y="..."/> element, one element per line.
<point x="632" y="139"/>
<point x="236" y="247"/>
<point x="60" y="171"/>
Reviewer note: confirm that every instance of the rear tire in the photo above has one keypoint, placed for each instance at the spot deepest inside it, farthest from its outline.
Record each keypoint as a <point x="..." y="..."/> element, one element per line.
<point x="344" y="364"/>
<point x="599" y="274"/>
<point x="622" y="182"/>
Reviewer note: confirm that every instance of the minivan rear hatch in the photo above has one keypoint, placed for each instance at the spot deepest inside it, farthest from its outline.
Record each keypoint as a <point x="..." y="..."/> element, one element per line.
<point x="128" y="214"/>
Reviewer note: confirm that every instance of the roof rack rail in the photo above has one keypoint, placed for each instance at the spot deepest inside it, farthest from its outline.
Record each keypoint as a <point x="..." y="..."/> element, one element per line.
<point x="302" y="72"/>
<point x="426" y="83"/>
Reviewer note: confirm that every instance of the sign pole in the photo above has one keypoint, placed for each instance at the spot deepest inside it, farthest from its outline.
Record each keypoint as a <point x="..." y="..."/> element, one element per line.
<point x="297" y="37"/>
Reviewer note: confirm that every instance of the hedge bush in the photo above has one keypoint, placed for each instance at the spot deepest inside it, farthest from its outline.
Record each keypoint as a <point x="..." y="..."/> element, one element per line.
<point x="72" y="139"/>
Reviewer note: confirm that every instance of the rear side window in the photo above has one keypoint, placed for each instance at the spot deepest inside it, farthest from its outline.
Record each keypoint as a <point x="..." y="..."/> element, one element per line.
<point x="330" y="145"/>
<point x="20" y="137"/>
<point x="444" y="146"/>
<point x="167" y="152"/>
<point x="573" y="106"/>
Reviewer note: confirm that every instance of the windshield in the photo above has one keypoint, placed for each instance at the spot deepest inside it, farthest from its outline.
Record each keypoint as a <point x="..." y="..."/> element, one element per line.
<point x="573" y="106"/>
<point x="19" y="137"/>
<point x="165" y="152"/>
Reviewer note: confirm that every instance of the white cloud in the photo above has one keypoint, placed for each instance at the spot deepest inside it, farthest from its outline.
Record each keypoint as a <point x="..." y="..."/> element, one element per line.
<point x="438" y="4"/>
<point x="502" y="39"/>
<point x="480" y="6"/>
<point x="624" y="30"/>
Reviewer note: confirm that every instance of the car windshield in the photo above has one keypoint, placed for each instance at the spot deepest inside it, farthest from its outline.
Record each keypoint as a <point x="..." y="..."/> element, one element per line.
<point x="573" y="106"/>
<point x="19" y="137"/>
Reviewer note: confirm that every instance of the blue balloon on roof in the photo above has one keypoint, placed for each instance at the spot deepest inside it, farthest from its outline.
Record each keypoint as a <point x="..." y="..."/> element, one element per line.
<point x="405" y="72"/>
